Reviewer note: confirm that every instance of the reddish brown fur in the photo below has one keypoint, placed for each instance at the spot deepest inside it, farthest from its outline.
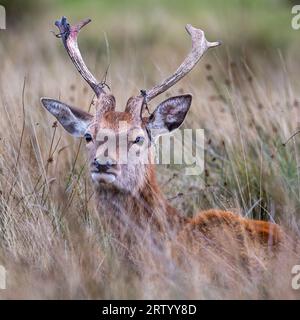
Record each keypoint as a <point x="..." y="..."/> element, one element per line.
<point x="262" y="231"/>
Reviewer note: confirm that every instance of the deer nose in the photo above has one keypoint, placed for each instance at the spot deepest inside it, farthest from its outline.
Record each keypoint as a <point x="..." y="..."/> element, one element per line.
<point x="102" y="167"/>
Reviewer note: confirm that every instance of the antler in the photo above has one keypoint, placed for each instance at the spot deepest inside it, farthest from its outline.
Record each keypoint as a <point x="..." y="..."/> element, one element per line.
<point x="69" y="35"/>
<point x="199" y="46"/>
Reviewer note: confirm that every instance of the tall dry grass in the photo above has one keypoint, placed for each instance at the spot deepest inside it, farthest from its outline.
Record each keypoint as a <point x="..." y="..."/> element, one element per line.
<point x="53" y="242"/>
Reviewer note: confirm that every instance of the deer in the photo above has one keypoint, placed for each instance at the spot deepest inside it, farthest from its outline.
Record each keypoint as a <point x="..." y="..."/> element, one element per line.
<point x="129" y="193"/>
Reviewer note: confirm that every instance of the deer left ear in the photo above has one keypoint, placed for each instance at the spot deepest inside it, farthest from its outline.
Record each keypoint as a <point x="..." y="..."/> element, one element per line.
<point x="169" y="115"/>
<point x="74" y="120"/>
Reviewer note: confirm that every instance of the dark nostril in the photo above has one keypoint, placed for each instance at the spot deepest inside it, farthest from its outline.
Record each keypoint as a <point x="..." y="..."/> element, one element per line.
<point x="96" y="163"/>
<point x="102" y="167"/>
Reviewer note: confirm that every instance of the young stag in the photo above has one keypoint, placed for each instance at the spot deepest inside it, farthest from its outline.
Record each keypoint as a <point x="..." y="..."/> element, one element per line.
<point x="128" y="192"/>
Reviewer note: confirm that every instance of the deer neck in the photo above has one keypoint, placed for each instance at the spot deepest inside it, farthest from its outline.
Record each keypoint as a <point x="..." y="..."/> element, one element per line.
<point x="146" y="205"/>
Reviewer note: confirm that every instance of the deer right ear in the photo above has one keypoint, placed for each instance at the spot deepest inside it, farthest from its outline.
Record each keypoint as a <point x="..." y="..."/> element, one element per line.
<point x="169" y="115"/>
<point x="75" y="121"/>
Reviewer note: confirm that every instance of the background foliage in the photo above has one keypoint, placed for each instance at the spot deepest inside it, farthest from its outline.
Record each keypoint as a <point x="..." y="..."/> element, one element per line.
<point x="245" y="96"/>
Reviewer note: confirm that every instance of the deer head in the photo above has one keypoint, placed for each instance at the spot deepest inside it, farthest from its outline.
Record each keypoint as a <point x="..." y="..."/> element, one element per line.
<point x="139" y="132"/>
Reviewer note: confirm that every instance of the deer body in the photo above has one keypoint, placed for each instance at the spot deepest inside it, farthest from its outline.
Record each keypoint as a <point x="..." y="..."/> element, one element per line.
<point x="127" y="193"/>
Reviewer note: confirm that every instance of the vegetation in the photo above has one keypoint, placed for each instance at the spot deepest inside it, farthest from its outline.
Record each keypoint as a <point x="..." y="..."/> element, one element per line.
<point x="245" y="96"/>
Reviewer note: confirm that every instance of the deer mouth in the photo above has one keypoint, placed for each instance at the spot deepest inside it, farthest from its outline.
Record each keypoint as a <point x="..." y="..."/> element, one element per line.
<point x="104" y="177"/>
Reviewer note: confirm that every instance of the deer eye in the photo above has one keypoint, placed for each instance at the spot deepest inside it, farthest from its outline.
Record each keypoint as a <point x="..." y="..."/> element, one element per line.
<point x="88" y="137"/>
<point x="139" y="140"/>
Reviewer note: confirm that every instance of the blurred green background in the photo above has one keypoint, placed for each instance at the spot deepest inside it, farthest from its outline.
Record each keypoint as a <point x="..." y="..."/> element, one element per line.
<point x="242" y="24"/>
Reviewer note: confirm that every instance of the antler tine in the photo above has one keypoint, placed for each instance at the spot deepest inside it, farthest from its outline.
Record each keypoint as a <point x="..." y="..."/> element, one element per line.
<point x="69" y="35"/>
<point x="199" y="46"/>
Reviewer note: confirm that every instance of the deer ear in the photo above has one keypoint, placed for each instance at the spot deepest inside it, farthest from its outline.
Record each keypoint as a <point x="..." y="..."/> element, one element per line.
<point x="75" y="121"/>
<point x="169" y="115"/>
